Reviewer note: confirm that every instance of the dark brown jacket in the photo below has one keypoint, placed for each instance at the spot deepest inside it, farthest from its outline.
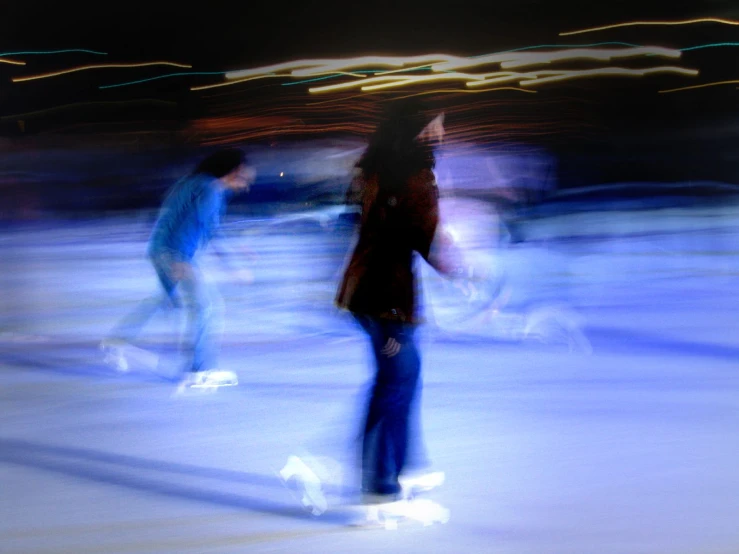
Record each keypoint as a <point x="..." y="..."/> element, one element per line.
<point x="379" y="279"/>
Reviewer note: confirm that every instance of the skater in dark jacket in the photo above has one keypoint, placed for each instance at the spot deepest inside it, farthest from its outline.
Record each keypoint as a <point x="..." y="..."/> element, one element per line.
<point x="398" y="196"/>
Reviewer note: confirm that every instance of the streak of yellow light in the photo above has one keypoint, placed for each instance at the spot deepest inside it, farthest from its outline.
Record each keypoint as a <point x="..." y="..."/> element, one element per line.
<point x="96" y="66"/>
<point x="704" y="85"/>
<point x="659" y="22"/>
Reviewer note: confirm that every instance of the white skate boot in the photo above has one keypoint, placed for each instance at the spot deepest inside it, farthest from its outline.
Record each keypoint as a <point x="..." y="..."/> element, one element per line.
<point x="312" y="496"/>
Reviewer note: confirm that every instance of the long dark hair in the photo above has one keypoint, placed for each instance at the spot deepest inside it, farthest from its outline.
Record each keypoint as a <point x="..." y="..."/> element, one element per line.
<point x="393" y="153"/>
<point x="221" y="163"/>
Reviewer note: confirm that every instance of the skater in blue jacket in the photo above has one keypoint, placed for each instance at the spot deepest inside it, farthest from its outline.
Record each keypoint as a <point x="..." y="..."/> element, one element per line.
<point x="189" y="219"/>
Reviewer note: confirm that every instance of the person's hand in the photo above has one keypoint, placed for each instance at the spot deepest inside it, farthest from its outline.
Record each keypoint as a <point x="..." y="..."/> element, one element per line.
<point x="468" y="279"/>
<point x="181" y="271"/>
<point x="469" y="273"/>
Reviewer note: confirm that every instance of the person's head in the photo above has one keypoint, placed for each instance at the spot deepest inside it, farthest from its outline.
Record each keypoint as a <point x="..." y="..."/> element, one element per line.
<point x="403" y="142"/>
<point x="230" y="166"/>
<point x="410" y="121"/>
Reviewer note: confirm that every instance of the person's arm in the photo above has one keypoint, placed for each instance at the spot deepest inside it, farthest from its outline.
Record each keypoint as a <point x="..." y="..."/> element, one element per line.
<point x="430" y="240"/>
<point x="353" y="194"/>
<point x="435" y="244"/>
<point x="212" y="208"/>
<point x="226" y="254"/>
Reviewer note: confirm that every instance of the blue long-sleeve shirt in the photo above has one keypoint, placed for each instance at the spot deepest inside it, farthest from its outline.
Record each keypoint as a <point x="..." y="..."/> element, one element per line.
<point x="189" y="217"/>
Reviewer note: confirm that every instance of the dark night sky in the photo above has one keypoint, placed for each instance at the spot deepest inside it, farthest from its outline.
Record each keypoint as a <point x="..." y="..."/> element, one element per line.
<point x="230" y="34"/>
<point x="218" y="36"/>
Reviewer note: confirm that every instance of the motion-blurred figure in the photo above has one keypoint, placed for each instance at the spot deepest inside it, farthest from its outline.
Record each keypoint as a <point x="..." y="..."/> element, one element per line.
<point x="398" y="196"/>
<point x="189" y="218"/>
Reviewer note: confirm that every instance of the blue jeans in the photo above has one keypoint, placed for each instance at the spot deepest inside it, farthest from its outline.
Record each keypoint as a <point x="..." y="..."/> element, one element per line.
<point x="392" y="413"/>
<point x="203" y="305"/>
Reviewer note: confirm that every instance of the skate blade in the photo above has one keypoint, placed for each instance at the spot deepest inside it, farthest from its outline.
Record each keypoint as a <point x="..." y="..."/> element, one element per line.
<point x="213" y="386"/>
<point x="391" y="516"/>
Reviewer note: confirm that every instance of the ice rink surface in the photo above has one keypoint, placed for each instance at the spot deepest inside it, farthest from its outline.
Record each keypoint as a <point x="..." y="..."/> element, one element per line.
<point x="595" y="412"/>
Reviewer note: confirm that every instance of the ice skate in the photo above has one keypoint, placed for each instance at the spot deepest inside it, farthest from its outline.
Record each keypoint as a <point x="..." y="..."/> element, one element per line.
<point x="415" y="484"/>
<point x="311" y="493"/>
<point x="207" y="381"/>
<point x="125" y="357"/>
<point x="214" y="379"/>
<point x="390" y="515"/>
<point x="114" y="356"/>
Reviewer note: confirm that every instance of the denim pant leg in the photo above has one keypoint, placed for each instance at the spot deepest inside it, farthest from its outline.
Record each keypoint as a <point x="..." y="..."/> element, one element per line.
<point x="204" y="307"/>
<point x="130" y="326"/>
<point x="387" y="424"/>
